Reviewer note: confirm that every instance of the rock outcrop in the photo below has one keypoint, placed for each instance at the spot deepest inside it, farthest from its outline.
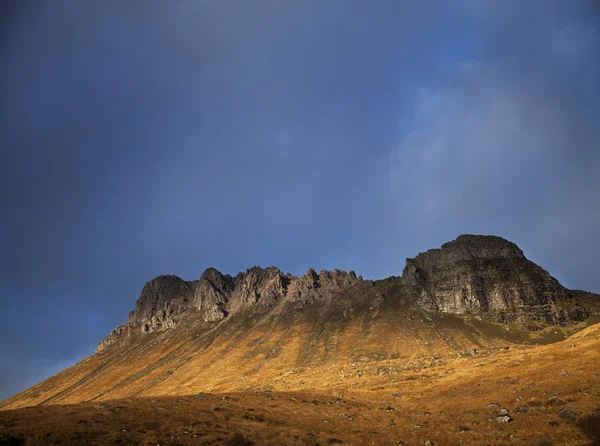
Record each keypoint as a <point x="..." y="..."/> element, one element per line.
<point x="490" y="276"/>
<point x="311" y="287"/>
<point x="260" y="287"/>
<point x="590" y="301"/>
<point x="167" y="298"/>
<point x="485" y="276"/>
<point x="211" y="294"/>
<point x="161" y="300"/>
<point x="118" y="336"/>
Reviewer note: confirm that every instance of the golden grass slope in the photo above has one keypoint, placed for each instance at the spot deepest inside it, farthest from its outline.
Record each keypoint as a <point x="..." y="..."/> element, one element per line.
<point x="551" y="393"/>
<point x="278" y="353"/>
<point x="294" y="351"/>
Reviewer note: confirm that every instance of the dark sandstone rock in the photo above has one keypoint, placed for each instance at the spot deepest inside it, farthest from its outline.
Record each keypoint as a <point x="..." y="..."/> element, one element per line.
<point x="490" y="276"/>
<point x="160" y="298"/>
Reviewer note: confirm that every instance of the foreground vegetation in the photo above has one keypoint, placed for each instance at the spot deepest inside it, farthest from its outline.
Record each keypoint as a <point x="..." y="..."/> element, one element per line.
<point x="532" y="395"/>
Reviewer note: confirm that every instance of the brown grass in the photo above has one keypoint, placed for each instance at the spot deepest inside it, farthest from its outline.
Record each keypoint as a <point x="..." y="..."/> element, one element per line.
<point x="369" y="382"/>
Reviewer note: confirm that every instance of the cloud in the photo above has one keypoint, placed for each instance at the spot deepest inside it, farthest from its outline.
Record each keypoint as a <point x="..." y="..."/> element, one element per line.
<point x="470" y="138"/>
<point x="511" y="152"/>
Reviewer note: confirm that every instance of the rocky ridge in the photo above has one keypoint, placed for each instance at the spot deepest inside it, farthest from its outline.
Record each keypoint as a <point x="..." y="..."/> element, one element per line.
<point x="166" y="299"/>
<point x="486" y="276"/>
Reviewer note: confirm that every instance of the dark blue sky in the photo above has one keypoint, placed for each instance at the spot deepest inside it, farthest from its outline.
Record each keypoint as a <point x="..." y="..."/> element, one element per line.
<point x="147" y="137"/>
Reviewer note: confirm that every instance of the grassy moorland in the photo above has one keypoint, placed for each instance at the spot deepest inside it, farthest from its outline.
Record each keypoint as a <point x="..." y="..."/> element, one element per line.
<point x="504" y="393"/>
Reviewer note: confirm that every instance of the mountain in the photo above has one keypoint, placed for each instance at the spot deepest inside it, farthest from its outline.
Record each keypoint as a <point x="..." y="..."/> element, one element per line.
<point x="264" y="330"/>
<point x="485" y="276"/>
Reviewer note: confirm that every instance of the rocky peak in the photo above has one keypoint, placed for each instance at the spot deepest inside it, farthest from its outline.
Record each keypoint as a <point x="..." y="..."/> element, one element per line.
<point x="211" y="294"/>
<point x="487" y="274"/>
<point x="214" y="276"/>
<point x="263" y="286"/>
<point x="466" y="247"/>
<point x="336" y="278"/>
<point x="162" y="293"/>
<point x="213" y="279"/>
<point x="312" y="286"/>
<point x="488" y="246"/>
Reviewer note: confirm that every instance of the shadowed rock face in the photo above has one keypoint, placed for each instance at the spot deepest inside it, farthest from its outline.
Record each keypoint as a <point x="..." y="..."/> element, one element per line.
<point x="160" y="299"/>
<point x="262" y="287"/>
<point x="166" y="299"/>
<point x="211" y="294"/>
<point x="489" y="275"/>
<point x="483" y="275"/>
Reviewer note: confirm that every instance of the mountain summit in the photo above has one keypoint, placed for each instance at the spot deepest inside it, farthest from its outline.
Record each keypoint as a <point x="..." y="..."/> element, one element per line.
<point x="484" y="276"/>
<point x="489" y="276"/>
<point x="263" y="328"/>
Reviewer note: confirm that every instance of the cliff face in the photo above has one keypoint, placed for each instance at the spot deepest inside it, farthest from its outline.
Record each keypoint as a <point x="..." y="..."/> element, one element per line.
<point x="160" y="299"/>
<point x="490" y="276"/>
<point x="166" y="299"/>
<point x="482" y="275"/>
<point x="211" y="294"/>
